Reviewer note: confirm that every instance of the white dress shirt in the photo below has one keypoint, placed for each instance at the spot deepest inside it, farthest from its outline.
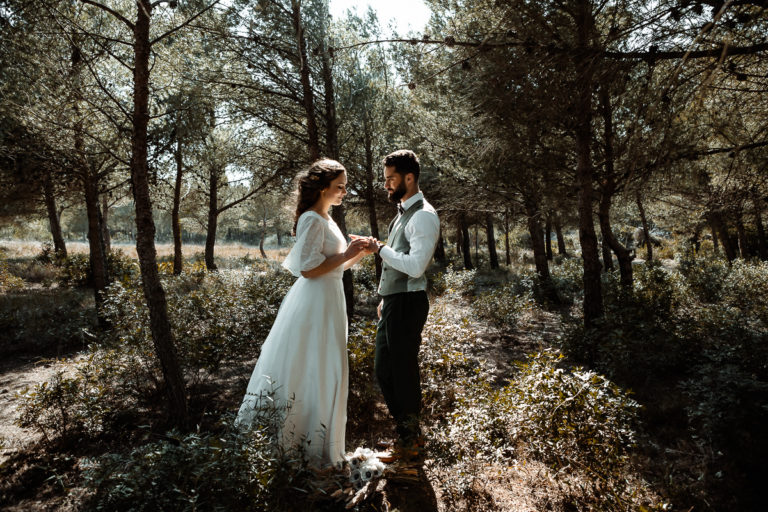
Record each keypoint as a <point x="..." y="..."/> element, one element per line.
<point x="422" y="232"/>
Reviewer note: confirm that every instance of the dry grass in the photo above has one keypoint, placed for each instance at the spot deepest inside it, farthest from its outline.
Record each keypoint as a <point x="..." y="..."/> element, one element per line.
<point x="31" y="248"/>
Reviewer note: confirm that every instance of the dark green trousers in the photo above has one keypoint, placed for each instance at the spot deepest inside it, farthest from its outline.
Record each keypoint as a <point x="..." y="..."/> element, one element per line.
<point x="398" y="338"/>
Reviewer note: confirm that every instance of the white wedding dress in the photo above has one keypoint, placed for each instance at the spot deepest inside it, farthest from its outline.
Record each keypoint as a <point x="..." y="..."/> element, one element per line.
<point x="304" y="358"/>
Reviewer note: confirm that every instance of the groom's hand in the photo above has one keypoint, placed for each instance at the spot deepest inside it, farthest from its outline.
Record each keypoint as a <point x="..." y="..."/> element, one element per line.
<point x="378" y="309"/>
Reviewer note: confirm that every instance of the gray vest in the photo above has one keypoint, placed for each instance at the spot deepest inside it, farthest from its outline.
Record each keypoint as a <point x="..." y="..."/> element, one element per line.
<point x="393" y="281"/>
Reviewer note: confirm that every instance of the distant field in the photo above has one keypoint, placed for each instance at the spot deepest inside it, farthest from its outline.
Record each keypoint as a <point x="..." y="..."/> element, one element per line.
<point x="30" y="248"/>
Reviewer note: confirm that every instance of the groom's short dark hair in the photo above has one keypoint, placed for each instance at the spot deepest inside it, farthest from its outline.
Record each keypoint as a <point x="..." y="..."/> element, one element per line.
<point x="404" y="161"/>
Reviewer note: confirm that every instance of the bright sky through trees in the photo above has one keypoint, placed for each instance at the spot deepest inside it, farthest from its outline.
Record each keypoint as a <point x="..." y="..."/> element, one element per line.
<point x="405" y="14"/>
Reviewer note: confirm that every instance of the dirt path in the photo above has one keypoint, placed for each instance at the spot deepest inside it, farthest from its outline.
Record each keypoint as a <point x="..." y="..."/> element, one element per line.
<point x="17" y="374"/>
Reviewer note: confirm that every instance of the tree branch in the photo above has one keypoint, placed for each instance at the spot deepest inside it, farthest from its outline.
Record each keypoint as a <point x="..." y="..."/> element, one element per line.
<point x="190" y="20"/>
<point x="110" y="11"/>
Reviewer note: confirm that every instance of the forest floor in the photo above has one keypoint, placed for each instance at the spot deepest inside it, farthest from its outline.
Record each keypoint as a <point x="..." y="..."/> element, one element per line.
<point x="519" y="487"/>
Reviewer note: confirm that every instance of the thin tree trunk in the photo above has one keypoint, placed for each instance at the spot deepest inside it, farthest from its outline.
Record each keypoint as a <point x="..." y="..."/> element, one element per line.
<point x="178" y="262"/>
<point x="561" y="249"/>
<point x="440" y="248"/>
<point x="718" y="222"/>
<point x="606" y="250"/>
<point x="506" y="237"/>
<point x="623" y="255"/>
<point x="477" y="245"/>
<point x="145" y="225"/>
<point x="646" y="231"/>
<point x="97" y="254"/>
<point x="59" y="246"/>
<point x="610" y="242"/>
<point x="762" y="245"/>
<point x="105" y="224"/>
<point x="715" y="240"/>
<point x="263" y="233"/>
<point x="491" y="238"/>
<point x="370" y="194"/>
<point x="213" y="219"/>
<point x="742" y="237"/>
<point x="533" y="214"/>
<point x="306" y="86"/>
<point x="548" y="237"/>
<point x="97" y="257"/>
<point x="459" y="235"/>
<point x="593" y="294"/>
<point x="332" y="144"/>
<point x="465" y="241"/>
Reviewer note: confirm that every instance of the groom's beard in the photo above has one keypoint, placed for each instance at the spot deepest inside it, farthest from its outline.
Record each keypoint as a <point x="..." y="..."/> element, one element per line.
<point x="396" y="195"/>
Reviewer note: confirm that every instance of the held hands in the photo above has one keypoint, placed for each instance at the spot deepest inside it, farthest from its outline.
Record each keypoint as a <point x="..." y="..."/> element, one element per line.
<point x="370" y="244"/>
<point x="356" y="246"/>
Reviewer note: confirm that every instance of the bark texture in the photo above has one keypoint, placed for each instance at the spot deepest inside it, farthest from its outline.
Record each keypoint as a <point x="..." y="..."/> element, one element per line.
<point x="154" y="293"/>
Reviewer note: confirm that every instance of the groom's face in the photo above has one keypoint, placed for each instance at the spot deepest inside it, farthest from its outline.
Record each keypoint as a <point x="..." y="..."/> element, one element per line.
<point x="394" y="183"/>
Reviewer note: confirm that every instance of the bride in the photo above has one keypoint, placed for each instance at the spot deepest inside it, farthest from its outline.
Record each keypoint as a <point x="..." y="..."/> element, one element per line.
<point x="304" y="358"/>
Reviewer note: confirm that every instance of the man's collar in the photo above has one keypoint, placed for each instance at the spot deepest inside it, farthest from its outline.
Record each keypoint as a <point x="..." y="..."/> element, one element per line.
<point x="412" y="200"/>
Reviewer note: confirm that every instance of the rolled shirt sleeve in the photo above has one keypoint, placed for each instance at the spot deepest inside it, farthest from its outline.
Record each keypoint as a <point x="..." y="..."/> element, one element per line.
<point x="422" y="232"/>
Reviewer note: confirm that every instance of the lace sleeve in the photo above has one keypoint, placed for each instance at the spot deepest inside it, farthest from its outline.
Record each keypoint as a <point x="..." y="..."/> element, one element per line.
<point x="306" y="253"/>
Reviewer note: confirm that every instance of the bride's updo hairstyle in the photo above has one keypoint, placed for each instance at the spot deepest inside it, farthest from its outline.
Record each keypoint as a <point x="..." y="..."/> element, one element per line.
<point x="313" y="181"/>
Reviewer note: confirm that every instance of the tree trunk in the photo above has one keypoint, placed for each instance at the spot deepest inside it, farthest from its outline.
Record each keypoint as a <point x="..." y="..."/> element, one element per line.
<point x="332" y="144"/>
<point x="465" y="241"/>
<point x="178" y="262"/>
<point x="97" y="257"/>
<point x="718" y="222"/>
<point x="105" y="224"/>
<point x="489" y="235"/>
<point x="762" y="245"/>
<point x="548" y="237"/>
<point x="440" y="248"/>
<point x="623" y="255"/>
<point x="533" y="215"/>
<point x="742" y="237"/>
<point x="459" y="236"/>
<point x="59" y="246"/>
<point x="560" y="238"/>
<point x="477" y="245"/>
<point x="213" y="219"/>
<point x="263" y="233"/>
<point x="154" y="293"/>
<point x="715" y="240"/>
<point x="610" y="242"/>
<point x="306" y="86"/>
<point x="593" y="294"/>
<point x="370" y="190"/>
<point x="646" y="231"/>
<point x="97" y="254"/>
<point x="506" y="237"/>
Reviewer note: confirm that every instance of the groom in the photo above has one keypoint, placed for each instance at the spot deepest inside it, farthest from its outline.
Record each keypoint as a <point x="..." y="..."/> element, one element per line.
<point x="404" y="306"/>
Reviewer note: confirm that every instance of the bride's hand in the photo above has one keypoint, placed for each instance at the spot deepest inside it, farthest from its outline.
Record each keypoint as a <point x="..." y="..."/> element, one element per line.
<point x="355" y="247"/>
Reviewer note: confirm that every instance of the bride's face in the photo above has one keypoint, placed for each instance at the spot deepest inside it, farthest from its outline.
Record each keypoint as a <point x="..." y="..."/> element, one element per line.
<point x="336" y="191"/>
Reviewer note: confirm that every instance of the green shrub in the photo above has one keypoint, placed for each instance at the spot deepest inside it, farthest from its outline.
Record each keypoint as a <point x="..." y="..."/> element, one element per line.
<point x="567" y="278"/>
<point x="217" y="318"/>
<point x="363" y="394"/>
<point x="75" y="270"/>
<point x="704" y="276"/>
<point x="9" y="282"/>
<point x="446" y="356"/>
<point x="232" y="470"/>
<point x="453" y="281"/>
<point x="576" y="421"/>
<point x="504" y="305"/>
<point x="746" y="288"/>
<point x="78" y="400"/>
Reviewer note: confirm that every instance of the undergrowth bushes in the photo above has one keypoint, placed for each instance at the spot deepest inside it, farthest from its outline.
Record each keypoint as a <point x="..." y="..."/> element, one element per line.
<point x="699" y="335"/>
<point x="218" y="320"/>
<point x="227" y="470"/>
<point x="576" y="421"/>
